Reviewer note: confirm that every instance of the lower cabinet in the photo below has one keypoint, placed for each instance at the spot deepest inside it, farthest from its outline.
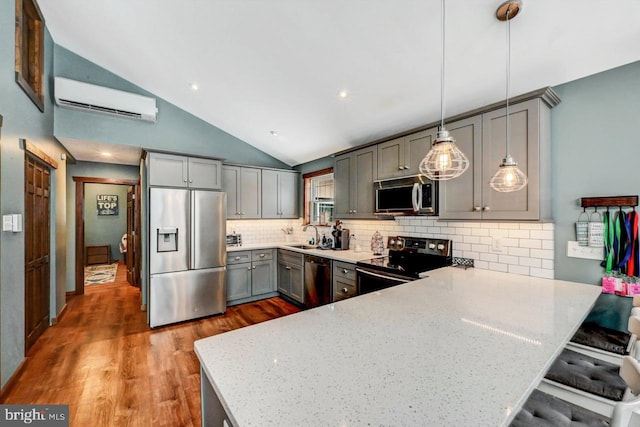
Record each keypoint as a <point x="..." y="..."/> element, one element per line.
<point x="291" y="274"/>
<point x="251" y="276"/>
<point x="344" y="280"/>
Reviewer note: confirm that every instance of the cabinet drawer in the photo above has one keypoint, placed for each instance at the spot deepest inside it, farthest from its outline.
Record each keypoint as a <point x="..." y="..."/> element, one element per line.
<point x="262" y="255"/>
<point x="344" y="270"/>
<point x="343" y="289"/>
<point x="290" y="257"/>
<point x="238" y="257"/>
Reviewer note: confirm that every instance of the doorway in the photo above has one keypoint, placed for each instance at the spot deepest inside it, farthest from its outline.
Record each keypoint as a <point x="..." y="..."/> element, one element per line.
<point x="133" y="249"/>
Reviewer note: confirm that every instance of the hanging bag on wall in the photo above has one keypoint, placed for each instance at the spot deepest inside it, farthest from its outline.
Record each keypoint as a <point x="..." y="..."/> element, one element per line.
<point x="582" y="232"/>
<point x="595" y="231"/>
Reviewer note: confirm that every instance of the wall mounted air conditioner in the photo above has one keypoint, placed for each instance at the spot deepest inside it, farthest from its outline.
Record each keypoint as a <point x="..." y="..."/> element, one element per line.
<point x="87" y="97"/>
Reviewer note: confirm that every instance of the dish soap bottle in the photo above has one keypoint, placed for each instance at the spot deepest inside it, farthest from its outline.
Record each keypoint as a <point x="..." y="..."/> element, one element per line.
<point x="377" y="243"/>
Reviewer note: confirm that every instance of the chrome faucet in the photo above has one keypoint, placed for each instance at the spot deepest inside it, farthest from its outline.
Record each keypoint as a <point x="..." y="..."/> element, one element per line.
<point x="317" y="241"/>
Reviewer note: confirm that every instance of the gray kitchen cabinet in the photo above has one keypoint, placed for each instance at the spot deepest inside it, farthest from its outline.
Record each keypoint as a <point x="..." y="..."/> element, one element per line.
<point x="243" y="186"/>
<point x="344" y="281"/>
<point x="173" y="170"/>
<point x="250" y="275"/>
<point x="291" y="274"/>
<point x="354" y="174"/>
<point x="482" y="139"/>
<point x="279" y="194"/>
<point x="402" y="156"/>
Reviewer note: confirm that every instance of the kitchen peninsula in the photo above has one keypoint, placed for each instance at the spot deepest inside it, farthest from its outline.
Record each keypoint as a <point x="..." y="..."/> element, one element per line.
<point x="460" y="347"/>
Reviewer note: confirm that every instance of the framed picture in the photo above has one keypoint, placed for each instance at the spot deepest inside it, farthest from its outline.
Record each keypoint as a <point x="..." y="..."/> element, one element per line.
<point x="107" y="204"/>
<point x="30" y="50"/>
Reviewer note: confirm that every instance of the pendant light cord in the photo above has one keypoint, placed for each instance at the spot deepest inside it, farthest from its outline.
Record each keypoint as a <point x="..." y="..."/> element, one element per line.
<point x="508" y="77"/>
<point x="442" y="71"/>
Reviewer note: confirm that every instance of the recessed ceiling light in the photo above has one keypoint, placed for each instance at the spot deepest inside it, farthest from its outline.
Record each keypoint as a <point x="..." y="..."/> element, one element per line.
<point x="274" y="133"/>
<point x="343" y="93"/>
<point x="106" y="154"/>
<point x="193" y="86"/>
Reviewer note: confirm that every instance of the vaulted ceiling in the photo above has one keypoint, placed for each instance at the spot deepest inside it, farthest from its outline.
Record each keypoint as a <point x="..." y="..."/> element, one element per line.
<point x="279" y="65"/>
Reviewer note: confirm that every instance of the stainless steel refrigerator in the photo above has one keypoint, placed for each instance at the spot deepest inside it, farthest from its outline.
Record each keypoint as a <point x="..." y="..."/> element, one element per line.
<point x="187" y="254"/>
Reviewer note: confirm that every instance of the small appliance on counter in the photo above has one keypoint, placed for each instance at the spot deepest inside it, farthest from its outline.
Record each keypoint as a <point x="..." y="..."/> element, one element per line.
<point x="340" y="237"/>
<point x="234" y="239"/>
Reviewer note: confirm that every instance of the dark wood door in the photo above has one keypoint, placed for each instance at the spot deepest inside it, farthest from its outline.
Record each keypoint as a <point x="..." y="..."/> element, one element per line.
<point x="130" y="254"/>
<point x="37" y="233"/>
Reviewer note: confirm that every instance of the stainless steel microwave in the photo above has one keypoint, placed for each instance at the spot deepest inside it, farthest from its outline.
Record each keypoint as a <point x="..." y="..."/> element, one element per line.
<point x="414" y="195"/>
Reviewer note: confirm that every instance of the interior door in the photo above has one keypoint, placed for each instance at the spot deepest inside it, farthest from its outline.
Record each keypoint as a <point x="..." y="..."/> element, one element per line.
<point x="37" y="234"/>
<point x="130" y="257"/>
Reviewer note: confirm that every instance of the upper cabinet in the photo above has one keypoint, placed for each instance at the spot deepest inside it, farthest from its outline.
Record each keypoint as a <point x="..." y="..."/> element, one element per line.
<point x="279" y="194"/>
<point x="172" y="170"/>
<point x="243" y="186"/>
<point x="402" y="156"/>
<point x="354" y="174"/>
<point x="482" y="139"/>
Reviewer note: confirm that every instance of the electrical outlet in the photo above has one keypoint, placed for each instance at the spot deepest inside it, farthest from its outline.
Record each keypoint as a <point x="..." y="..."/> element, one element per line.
<point x="496" y="244"/>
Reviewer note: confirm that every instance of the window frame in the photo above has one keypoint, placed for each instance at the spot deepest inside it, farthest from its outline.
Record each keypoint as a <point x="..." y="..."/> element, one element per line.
<point x="306" y="178"/>
<point x="29" y="69"/>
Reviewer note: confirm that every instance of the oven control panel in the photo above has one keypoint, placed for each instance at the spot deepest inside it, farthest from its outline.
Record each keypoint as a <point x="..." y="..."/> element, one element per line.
<point x="442" y="247"/>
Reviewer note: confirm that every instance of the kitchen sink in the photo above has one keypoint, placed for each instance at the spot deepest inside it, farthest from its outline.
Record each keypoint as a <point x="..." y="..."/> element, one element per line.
<point x="303" y="246"/>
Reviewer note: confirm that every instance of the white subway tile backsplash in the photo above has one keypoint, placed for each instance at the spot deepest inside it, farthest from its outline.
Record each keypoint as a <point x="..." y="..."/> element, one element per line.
<point x="519" y="234"/>
<point x="489" y="257"/>
<point x="481" y="264"/>
<point x="479" y="232"/>
<point x="541" y="272"/>
<point x="472" y="239"/>
<point x="480" y="248"/>
<point x="531" y="243"/>
<point x="519" y="269"/>
<point x="498" y="267"/>
<point x="542" y="234"/>
<point x="547" y="244"/>
<point x="463" y="231"/>
<point x="508" y="259"/>
<point x="510" y="225"/>
<point x="508" y="242"/>
<point x="486" y="240"/>
<point x="530" y="226"/>
<point x="542" y="253"/>
<point x="548" y="226"/>
<point x="547" y="263"/>
<point x="530" y="262"/>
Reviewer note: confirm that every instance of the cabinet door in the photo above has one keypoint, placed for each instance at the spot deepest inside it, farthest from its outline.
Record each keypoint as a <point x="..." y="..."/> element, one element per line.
<point x="391" y="159"/>
<point x="270" y="208"/>
<point x="250" y="194"/>
<point x="205" y="173"/>
<point x="238" y="280"/>
<point x="416" y="146"/>
<point x="168" y="170"/>
<point x="288" y="194"/>
<point x="366" y="167"/>
<point x="524" y="147"/>
<point x="284" y="278"/>
<point x="231" y="186"/>
<point x="297" y="283"/>
<point x="342" y="185"/>
<point x="262" y="277"/>
<point x="461" y="198"/>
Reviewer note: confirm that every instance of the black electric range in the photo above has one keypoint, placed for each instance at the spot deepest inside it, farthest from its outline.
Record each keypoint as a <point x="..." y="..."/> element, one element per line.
<point x="408" y="258"/>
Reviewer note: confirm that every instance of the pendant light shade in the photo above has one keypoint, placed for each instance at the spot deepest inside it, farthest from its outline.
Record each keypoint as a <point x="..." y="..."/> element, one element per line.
<point x="509" y="177"/>
<point x="444" y="160"/>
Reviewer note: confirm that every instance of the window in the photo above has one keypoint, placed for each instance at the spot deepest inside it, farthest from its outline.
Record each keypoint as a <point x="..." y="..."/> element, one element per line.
<point x="30" y="50"/>
<point x="318" y="197"/>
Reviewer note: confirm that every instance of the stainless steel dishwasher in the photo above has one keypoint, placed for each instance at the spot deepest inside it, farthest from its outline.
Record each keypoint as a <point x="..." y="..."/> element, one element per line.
<point x="317" y="281"/>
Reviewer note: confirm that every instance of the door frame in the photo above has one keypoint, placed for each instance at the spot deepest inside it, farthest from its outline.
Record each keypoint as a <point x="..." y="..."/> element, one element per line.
<point x="80" y="181"/>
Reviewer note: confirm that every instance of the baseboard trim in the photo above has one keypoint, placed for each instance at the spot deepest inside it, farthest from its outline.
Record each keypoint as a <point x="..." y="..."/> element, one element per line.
<point x="70" y="293"/>
<point x="143" y="307"/>
<point x="14" y="379"/>
<point x="57" y="319"/>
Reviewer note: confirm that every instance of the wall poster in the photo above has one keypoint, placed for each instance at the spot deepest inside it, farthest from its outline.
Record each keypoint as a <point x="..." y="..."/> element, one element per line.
<point x="107" y="204"/>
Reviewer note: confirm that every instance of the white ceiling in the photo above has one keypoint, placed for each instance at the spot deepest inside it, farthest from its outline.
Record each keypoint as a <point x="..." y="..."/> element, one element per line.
<point x="264" y="65"/>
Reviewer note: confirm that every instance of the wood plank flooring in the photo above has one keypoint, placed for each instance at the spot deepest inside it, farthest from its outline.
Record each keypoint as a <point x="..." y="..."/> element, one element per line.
<point x="113" y="370"/>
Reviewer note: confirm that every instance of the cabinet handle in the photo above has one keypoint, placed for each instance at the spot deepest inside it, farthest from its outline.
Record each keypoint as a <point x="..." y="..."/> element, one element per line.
<point x="400" y="167"/>
<point x="249" y="268"/>
<point x="477" y="208"/>
<point x="288" y="268"/>
<point x="262" y="255"/>
<point x="241" y="213"/>
<point x="345" y="290"/>
<point x="254" y="267"/>
<point x="344" y="271"/>
<point x="486" y="208"/>
<point x="190" y="180"/>
<point x="406" y="167"/>
<point x="237" y="258"/>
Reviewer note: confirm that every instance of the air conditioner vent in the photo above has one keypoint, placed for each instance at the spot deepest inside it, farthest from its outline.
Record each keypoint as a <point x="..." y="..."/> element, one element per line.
<point x="87" y="97"/>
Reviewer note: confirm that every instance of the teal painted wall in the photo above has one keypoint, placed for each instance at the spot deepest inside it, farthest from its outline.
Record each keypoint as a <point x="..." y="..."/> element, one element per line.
<point x="105" y="229"/>
<point x="175" y="130"/>
<point x="595" y="152"/>
<point x="22" y="119"/>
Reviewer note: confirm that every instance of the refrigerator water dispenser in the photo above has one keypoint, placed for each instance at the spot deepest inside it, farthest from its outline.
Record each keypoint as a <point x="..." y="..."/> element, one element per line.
<point x="167" y="239"/>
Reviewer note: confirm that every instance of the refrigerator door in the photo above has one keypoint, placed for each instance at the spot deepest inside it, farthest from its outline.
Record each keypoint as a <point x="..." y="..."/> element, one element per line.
<point x="168" y="230"/>
<point x="208" y="229"/>
<point x="186" y="295"/>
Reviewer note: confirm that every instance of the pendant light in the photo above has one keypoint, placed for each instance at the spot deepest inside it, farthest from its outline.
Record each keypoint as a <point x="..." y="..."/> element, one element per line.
<point x="509" y="177"/>
<point x="444" y="160"/>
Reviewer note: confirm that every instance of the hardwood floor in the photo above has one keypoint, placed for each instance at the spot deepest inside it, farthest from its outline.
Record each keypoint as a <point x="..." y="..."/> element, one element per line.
<point x="113" y="370"/>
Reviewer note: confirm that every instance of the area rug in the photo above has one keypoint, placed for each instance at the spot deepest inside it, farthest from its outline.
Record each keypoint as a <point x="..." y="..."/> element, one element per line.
<point x="97" y="274"/>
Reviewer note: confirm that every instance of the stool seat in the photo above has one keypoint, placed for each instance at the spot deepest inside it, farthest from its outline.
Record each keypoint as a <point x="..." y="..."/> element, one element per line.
<point x="543" y="410"/>
<point x="593" y="335"/>
<point x="588" y="374"/>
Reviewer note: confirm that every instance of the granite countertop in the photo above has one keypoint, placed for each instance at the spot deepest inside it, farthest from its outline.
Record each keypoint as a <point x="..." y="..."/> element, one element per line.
<point x="459" y="348"/>
<point x="346" y="256"/>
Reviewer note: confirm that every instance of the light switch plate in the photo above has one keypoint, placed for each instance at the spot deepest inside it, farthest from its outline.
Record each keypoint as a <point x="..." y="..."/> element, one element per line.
<point x="7" y="222"/>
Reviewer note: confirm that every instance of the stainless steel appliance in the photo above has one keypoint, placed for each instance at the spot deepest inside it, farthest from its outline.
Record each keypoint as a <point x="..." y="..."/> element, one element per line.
<point x="187" y="254"/>
<point x="408" y="259"/>
<point x="341" y="239"/>
<point x="317" y="281"/>
<point x="414" y="195"/>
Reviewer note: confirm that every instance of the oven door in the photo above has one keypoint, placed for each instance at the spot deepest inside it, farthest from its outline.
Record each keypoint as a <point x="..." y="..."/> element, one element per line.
<point x="371" y="280"/>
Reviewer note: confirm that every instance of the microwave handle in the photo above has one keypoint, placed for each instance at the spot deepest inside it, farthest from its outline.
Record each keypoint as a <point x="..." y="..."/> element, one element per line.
<point x="417" y="197"/>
